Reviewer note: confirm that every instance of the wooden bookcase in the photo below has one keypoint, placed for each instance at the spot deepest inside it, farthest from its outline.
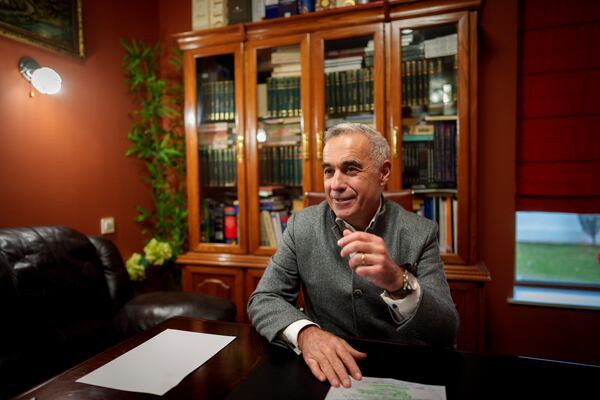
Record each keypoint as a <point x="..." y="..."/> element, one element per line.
<point x="259" y="97"/>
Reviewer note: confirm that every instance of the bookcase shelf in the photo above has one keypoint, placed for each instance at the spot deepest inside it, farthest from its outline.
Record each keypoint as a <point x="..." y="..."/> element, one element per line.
<point x="259" y="97"/>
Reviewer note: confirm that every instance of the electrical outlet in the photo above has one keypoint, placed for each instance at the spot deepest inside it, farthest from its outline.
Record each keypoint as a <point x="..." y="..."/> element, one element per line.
<point x="107" y="225"/>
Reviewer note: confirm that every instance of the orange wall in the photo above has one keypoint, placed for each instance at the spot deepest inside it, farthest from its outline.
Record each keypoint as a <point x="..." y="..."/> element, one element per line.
<point x="62" y="158"/>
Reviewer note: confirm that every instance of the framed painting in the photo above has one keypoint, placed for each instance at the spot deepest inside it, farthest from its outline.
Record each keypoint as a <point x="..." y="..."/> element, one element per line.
<point x="51" y="24"/>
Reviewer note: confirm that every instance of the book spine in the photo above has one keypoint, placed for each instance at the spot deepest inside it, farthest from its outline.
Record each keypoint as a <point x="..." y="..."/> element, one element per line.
<point x="420" y="85"/>
<point x="276" y="223"/>
<point x="231" y="100"/>
<point x="448" y="205"/>
<point x="230" y="157"/>
<point x="338" y="92"/>
<point x="424" y="82"/>
<point x="239" y="11"/>
<point x="297" y="93"/>
<point x="230" y="222"/>
<point x="332" y="93"/>
<point x="271" y="9"/>
<point x="269" y="97"/>
<point x="218" y="221"/>
<point x="306" y="6"/>
<point x="287" y="8"/>
<point x="354" y="90"/>
<point x="370" y="89"/>
<point x="205" y="225"/>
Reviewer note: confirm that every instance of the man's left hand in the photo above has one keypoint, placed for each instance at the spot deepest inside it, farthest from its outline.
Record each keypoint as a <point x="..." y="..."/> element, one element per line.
<point x="372" y="259"/>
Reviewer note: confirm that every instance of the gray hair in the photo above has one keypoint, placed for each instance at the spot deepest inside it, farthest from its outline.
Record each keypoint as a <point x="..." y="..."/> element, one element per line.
<point x="380" y="149"/>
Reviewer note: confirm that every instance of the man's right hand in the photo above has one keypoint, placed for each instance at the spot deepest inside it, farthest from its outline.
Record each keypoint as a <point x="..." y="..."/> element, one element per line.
<point x="329" y="357"/>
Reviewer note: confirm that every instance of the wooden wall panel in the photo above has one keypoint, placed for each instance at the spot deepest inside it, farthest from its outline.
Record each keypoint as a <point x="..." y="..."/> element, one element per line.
<point x="558" y="145"/>
<point x="573" y="179"/>
<point x="559" y="139"/>
<point x="545" y="13"/>
<point x="561" y="49"/>
<point x="560" y="94"/>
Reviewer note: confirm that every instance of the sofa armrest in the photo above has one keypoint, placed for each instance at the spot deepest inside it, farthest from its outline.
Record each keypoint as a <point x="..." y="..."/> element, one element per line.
<point x="150" y="309"/>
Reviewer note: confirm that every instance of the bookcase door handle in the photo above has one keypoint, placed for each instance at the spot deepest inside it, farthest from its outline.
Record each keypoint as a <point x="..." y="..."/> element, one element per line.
<point x="305" y="148"/>
<point x="319" y="145"/>
<point x="395" y="142"/>
<point x="240" y="148"/>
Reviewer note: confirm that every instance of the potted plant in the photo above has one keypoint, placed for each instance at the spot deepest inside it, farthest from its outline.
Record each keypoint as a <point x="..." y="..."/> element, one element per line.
<point x="157" y="138"/>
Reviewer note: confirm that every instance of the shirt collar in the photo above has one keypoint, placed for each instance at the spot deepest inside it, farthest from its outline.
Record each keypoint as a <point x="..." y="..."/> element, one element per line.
<point x="371" y="225"/>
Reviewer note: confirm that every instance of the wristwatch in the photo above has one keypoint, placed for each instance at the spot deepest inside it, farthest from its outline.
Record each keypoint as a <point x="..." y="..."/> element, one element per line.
<point x="406" y="287"/>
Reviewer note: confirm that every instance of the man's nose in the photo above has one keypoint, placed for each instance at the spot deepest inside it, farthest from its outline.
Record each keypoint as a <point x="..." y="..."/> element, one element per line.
<point x="337" y="181"/>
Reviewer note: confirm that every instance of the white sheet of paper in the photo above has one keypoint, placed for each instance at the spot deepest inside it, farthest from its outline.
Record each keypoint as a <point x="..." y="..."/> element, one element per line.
<point x="386" y="389"/>
<point x="158" y="364"/>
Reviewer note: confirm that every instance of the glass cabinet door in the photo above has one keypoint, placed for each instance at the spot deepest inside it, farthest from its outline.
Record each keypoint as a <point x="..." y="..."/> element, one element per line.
<point x="430" y="123"/>
<point x="216" y="195"/>
<point x="348" y="86"/>
<point x="279" y="148"/>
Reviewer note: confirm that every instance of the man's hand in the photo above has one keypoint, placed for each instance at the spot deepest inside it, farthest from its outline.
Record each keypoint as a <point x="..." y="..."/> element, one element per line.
<point x="372" y="259"/>
<point x="329" y="357"/>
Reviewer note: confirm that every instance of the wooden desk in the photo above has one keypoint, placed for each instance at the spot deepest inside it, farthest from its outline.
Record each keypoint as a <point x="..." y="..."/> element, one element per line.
<point x="249" y="368"/>
<point x="213" y="380"/>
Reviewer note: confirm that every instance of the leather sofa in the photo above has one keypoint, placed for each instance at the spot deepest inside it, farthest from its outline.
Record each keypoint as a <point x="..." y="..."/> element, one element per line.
<point x="65" y="296"/>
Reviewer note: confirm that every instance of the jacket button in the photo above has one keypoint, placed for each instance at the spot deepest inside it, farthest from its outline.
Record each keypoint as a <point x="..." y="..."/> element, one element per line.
<point x="357" y="293"/>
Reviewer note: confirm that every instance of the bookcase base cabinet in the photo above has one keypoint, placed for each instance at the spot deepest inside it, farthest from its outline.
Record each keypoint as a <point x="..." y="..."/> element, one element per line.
<point x="469" y="302"/>
<point x="237" y="282"/>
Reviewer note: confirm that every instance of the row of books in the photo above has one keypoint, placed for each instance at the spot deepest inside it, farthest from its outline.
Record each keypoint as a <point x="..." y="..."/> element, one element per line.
<point x="282" y="97"/>
<point x="218" y="165"/>
<point x="210" y="13"/>
<point x="444" y="153"/>
<point x="217" y="100"/>
<point x="442" y="209"/>
<point x="425" y="83"/>
<point x="272" y="226"/>
<point x="431" y="162"/>
<point x="216" y="133"/>
<point x="349" y="58"/>
<point x="274" y="214"/>
<point x="280" y="131"/>
<point x="349" y="91"/>
<point x="287" y="8"/>
<point x="366" y="118"/>
<point x="280" y="165"/>
<point x="285" y="61"/>
<point x="415" y="46"/>
<point x="219" y="222"/>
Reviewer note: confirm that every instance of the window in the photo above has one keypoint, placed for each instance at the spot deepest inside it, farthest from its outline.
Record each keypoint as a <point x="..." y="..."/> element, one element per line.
<point x="558" y="248"/>
<point x="555" y="253"/>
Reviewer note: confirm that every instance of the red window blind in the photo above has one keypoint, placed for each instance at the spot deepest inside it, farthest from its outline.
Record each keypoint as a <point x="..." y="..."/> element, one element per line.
<point x="558" y="139"/>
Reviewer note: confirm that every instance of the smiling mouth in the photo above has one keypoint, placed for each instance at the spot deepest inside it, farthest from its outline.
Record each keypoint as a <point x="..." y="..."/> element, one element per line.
<point x="343" y="201"/>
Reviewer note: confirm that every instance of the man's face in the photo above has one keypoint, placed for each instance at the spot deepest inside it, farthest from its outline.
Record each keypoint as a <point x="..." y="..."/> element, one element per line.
<point x="353" y="183"/>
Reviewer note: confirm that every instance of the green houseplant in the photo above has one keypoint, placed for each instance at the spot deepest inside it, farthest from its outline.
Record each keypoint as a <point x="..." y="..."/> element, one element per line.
<point x="157" y="138"/>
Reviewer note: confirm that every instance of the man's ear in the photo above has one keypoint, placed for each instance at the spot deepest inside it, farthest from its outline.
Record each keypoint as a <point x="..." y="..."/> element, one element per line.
<point x="384" y="172"/>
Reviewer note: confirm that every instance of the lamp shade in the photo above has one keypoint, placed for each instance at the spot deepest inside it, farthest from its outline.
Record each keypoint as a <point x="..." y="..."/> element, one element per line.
<point x="46" y="80"/>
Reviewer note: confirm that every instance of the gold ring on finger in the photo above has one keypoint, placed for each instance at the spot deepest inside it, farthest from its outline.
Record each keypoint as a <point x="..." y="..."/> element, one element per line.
<point x="362" y="259"/>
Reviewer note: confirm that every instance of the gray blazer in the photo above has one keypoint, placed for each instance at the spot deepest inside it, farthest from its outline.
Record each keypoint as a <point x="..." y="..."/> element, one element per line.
<point x="342" y="302"/>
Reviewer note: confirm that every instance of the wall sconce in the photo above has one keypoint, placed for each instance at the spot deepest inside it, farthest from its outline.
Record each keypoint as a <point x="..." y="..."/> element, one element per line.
<point x="44" y="79"/>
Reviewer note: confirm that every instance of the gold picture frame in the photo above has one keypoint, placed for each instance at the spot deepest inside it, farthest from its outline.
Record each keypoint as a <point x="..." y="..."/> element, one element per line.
<point x="51" y="24"/>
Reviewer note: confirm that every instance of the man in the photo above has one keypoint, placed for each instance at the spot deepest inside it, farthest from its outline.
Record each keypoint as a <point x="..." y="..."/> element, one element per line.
<point x="367" y="267"/>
